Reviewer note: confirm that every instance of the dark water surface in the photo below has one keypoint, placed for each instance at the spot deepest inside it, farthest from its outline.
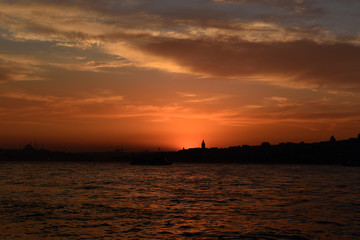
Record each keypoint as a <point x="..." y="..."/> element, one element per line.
<point x="118" y="201"/>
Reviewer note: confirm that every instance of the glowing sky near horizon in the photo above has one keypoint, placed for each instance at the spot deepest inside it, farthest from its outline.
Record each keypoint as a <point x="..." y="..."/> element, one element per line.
<point x="143" y="74"/>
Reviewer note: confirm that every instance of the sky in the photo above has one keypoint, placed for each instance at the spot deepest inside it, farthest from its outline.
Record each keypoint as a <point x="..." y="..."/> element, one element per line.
<point x="80" y="75"/>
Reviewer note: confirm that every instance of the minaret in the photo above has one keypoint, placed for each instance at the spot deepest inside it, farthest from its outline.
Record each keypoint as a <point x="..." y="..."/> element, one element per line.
<point x="203" y="144"/>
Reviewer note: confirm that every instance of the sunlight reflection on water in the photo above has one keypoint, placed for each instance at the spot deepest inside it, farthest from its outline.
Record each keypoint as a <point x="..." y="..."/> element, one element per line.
<point x="194" y="201"/>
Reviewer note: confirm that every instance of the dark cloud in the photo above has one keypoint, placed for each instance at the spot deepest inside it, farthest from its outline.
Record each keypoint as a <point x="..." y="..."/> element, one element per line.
<point x="220" y="46"/>
<point x="11" y="71"/>
<point x="4" y="77"/>
<point x="326" y="64"/>
<point x="8" y="72"/>
<point x="292" y="6"/>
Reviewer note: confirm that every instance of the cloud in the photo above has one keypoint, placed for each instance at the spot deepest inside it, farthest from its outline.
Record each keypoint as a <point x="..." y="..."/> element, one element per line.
<point x="76" y="24"/>
<point x="196" y="98"/>
<point x="18" y="69"/>
<point x="303" y="63"/>
<point x="62" y="100"/>
<point x="91" y="65"/>
<point x="32" y="108"/>
<point x="205" y="100"/>
<point x="187" y="94"/>
<point x="238" y="47"/>
<point x="276" y="99"/>
<point x="43" y="108"/>
<point x="18" y="107"/>
<point x="341" y="93"/>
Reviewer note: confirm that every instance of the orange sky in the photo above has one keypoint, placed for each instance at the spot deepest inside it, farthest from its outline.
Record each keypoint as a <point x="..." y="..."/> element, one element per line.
<point x="94" y="75"/>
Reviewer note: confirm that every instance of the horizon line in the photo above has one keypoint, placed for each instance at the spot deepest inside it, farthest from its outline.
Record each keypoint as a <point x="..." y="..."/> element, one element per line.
<point x="120" y="148"/>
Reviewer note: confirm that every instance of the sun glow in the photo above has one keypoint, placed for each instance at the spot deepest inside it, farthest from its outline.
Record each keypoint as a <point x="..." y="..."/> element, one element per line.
<point x="130" y="74"/>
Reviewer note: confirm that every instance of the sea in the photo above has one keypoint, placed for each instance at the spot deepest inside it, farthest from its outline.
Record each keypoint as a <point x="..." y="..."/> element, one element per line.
<point x="88" y="200"/>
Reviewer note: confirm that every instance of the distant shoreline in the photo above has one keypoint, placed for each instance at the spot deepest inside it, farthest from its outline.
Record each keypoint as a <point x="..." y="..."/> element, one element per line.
<point x="344" y="152"/>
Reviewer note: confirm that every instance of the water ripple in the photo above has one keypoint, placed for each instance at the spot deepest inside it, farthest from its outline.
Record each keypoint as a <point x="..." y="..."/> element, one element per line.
<point x="117" y="201"/>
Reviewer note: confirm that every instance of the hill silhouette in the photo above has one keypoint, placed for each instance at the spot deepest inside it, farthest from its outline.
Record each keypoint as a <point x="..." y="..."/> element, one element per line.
<point x="346" y="152"/>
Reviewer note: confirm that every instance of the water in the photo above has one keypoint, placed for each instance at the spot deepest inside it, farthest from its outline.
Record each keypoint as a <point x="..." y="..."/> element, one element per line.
<point x="119" y="201"/>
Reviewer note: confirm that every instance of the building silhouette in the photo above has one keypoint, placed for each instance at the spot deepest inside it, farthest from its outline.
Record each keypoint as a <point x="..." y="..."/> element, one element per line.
<point x="203" y="144"/>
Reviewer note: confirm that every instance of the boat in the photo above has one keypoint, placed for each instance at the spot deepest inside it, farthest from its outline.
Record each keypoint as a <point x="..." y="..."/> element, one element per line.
<point x="150" y="160"/>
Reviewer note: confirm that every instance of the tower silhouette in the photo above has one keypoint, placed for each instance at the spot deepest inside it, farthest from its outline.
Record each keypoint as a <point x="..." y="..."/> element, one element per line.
<point x="203" y="144"/>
